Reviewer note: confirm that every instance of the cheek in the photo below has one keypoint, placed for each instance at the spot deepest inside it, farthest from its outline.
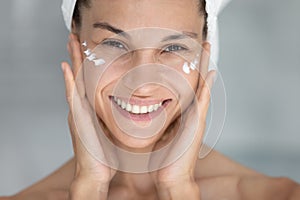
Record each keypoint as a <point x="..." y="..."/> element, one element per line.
<point x="107" y="82"/>
<point x="189" y="72"/>
<point x="193" y="79"/>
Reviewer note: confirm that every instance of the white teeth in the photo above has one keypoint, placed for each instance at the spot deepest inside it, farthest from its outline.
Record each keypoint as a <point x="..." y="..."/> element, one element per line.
<point x="150" y="108"/>
<point x="136" y="109"/>
<point x="128" y="107"/>
<point x="144" y="110"/>
<point x="156" y="107"/>
<point x="123" y="105"/>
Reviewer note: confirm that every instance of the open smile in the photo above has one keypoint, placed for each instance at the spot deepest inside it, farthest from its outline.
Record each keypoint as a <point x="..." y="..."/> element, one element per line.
<point x="139" y="110"/>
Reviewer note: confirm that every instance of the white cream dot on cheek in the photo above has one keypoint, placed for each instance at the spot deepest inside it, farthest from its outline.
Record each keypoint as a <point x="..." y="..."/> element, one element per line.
<point x="91" y="57"/>
<point x="193" y="66"/>
<point x="99" y="62"/>
<point x="186" y="68"/>
<point x="87" y="52"/>
<point x="84" y="44"/>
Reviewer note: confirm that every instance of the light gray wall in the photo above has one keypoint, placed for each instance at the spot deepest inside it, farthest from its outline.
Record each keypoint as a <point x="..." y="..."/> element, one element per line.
<point x="260" y="64"/>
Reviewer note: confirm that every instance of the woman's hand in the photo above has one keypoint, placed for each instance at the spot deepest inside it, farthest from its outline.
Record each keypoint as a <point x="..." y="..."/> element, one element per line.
<point x="92" y="178"/>
<point x="176" y="181"/>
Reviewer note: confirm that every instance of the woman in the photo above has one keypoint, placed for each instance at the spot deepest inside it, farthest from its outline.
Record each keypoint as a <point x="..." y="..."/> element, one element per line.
<point x="94" y="175"/>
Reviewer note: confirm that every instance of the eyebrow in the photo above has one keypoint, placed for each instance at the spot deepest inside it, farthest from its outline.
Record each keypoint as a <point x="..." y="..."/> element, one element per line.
<point x="113" y="29"/>
<point x="108" y="27"/>
<point x="184" y="35"/>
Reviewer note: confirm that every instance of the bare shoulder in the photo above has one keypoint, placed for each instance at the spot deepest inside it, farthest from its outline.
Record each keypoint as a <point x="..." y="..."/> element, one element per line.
<point x="5" y="198"/>
<point x="268" y="188"/>
<point x="219" y="177"/>
<point x="216" y="164"/>
<point x="248" y="188"/>
<point x="55" y="186"/>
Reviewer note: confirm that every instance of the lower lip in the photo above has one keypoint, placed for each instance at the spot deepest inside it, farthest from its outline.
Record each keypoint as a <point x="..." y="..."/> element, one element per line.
<point x="140" y="117"/>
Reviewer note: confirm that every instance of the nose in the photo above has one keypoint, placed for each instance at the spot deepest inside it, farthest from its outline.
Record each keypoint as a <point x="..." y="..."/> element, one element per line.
<point x="143" y="77"/>
<point x="143" y="56"/>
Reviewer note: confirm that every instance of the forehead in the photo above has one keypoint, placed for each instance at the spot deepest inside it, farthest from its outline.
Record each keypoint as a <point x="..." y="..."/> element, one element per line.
<point x="131" y="14"/>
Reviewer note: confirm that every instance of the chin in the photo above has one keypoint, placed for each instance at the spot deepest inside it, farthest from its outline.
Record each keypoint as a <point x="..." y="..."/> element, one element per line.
<point x="133" y="144"/>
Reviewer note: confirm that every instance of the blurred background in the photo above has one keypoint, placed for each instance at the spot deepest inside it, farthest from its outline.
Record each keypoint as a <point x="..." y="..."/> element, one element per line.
<point x="260" y="64"/>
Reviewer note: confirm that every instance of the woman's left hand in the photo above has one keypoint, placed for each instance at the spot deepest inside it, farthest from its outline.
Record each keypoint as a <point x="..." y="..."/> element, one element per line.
<point x="176" y="181"/>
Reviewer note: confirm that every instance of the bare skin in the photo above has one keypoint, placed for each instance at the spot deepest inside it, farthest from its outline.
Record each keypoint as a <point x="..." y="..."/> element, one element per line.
<point x="241" y="183"/>
<point x="214" y="177"/>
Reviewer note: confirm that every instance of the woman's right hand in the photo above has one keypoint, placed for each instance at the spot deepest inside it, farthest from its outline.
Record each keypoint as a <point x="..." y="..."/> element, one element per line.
<point x="92" y="178"/>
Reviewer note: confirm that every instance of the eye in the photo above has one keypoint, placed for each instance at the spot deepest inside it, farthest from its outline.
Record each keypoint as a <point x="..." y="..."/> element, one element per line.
<point x="114" y="44"/>
<point x="174" y="48"/>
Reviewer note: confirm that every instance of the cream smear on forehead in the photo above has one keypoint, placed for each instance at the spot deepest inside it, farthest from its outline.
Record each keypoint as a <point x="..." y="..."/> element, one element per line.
<point x="92" y="56"/>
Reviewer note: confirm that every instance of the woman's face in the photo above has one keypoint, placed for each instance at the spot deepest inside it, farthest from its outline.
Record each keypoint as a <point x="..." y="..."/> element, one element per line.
<point x="146" y="47"/>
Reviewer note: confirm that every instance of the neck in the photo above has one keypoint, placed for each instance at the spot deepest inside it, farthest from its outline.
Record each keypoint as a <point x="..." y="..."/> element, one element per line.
<point x="136" y="184"/>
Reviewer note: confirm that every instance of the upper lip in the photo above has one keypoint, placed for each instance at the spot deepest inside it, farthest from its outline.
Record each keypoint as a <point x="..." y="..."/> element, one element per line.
<point x="141" y="101"/>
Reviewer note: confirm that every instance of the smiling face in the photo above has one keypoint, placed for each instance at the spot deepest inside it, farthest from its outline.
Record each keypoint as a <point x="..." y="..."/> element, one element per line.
<point x="141" y="82"/>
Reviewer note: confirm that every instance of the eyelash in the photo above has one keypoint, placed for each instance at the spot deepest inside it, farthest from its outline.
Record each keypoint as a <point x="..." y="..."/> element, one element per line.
<point x="174" y="47"/>
<point x="115" y="44"/>
<point x="120" y="45"/>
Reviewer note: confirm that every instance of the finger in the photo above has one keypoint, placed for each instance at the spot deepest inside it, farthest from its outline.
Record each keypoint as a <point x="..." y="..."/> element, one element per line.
<point x="205" y="95"/>
<point x="75" y="106"/>
<point x="81" y="122"/>
<point x="205" y="57"/>
<point x="70" y="88"/>
<point x="204" y="63"/>
<point x="75" y="53"/>
<point x="196" y="121"/>
<point x="69" y="82"/>
<point x="72" y="131"/>
<point x="71" y="91"/>
<point x="76" y="56"/>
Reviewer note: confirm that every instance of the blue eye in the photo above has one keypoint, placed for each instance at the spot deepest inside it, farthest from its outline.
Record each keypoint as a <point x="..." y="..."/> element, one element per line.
<point x="174" y="47"/>
<point x="115" y="44"/>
